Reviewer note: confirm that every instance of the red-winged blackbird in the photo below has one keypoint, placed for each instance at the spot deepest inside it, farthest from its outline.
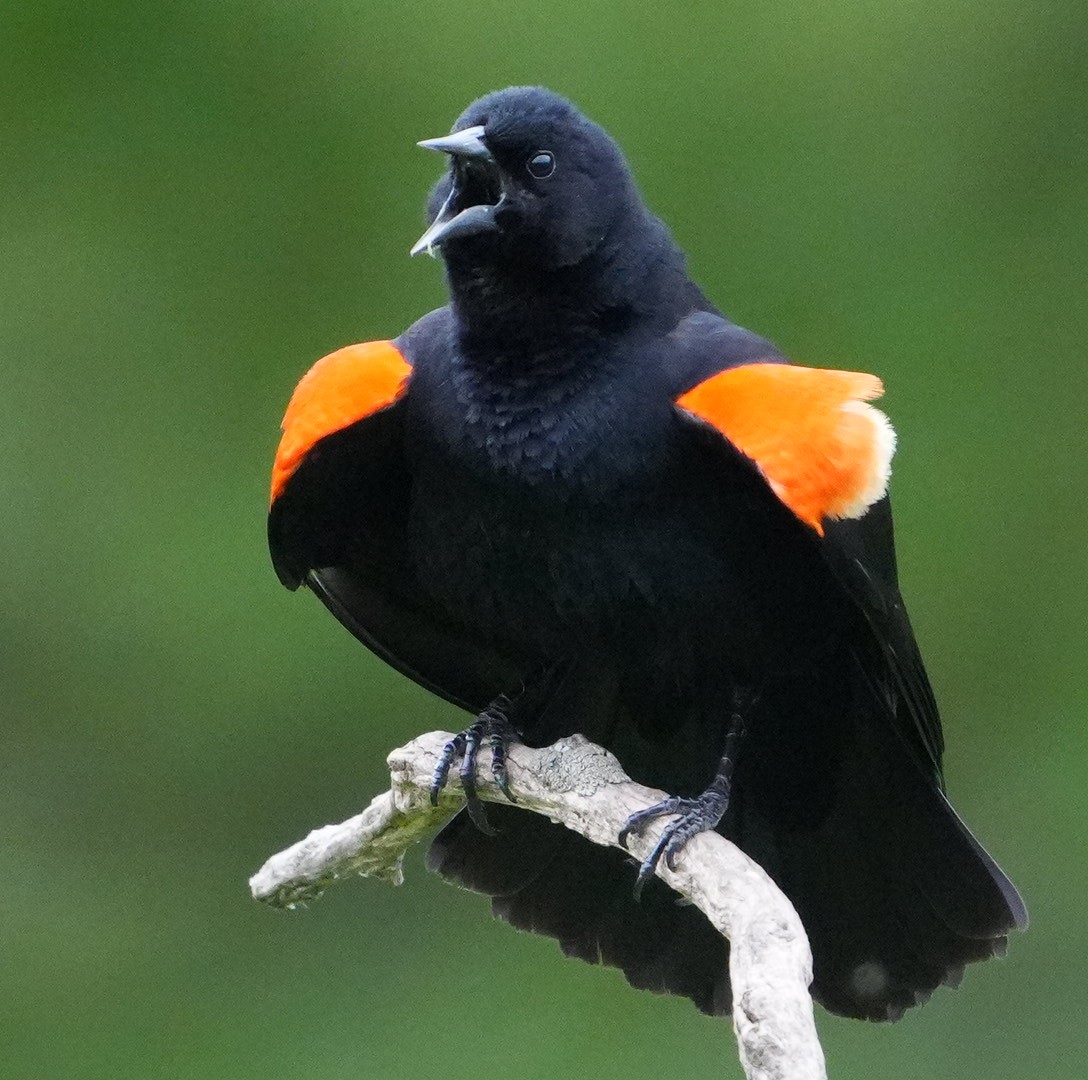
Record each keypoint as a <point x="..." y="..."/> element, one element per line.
<point x="578" y="498"/>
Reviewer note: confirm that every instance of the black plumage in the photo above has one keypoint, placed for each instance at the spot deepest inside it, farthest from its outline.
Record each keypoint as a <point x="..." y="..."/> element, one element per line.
<point x="536" y="510"/>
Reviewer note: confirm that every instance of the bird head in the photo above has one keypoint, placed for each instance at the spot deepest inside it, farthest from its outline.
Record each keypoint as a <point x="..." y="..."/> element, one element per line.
<point x="530" y="181"/>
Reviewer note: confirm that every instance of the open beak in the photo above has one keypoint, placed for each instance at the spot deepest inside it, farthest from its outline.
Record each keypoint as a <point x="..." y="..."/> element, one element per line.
<point x="476" y="193"/>
<point x="468" y="143"/>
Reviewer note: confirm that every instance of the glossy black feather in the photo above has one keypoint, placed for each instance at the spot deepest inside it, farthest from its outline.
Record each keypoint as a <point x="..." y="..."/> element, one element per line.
<point x="536" y="500"/>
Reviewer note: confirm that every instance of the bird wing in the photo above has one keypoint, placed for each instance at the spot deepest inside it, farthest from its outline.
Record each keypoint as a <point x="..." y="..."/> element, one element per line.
<point x="861" y="555"/>
<point x="825" y="453"/>
<point x="822" y="449"/>
<point x="338" y="519"/>
<point x="349" y="385"/>
<point x="891" y="836"/>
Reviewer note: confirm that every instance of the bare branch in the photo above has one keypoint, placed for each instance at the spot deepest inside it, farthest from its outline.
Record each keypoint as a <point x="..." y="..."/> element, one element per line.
<point x="582" y="786"/>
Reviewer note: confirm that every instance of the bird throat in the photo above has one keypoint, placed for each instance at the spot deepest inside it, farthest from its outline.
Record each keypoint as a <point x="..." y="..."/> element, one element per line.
<point x="506" y="305"/>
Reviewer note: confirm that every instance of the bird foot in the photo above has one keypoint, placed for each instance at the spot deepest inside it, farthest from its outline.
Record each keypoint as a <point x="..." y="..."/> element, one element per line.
<point x="696" y="816"/>
<point x="492" y="724"/>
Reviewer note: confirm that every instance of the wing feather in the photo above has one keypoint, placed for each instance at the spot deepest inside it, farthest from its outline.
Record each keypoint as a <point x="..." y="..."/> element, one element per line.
<point x="338" y="523"/>
<point x="823" y="450"/>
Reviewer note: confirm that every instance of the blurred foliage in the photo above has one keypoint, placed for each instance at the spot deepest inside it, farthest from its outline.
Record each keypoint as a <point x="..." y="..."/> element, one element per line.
<point x="197" y="200"/>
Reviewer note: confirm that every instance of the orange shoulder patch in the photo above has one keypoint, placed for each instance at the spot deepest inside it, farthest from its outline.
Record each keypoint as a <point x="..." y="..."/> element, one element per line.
<point x="824" y="452"/>
<point x="341" y="388"/>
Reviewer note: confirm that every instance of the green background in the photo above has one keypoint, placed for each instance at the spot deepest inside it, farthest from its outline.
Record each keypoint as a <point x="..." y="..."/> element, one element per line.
<point x="199" y="199"/>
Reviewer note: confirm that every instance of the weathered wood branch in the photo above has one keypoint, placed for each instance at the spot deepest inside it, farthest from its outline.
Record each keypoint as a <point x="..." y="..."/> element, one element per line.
<point x="582" y="786"/>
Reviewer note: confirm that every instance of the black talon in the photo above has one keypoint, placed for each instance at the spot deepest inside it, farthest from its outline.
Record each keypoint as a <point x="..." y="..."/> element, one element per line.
<point x="499" y="742"/>
<point x="468" y="777"/>
<point x="696" y="815"/>
<point x="453" y="749"/>
<point x="493" y="724"/>
<point x="638" y="821"/>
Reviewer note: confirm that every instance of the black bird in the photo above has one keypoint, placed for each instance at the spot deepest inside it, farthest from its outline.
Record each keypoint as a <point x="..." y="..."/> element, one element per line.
<point x="580" y="498"/>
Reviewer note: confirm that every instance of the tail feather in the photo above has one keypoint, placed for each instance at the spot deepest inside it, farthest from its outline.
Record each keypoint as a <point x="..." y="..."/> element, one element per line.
<point x="895" y="893"/>
<point x="581" y="894"/>
<point x="878" y="945"/>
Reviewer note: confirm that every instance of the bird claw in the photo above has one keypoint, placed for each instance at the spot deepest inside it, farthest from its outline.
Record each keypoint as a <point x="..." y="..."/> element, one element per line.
<point x="696" y="816"/>
<point x="493" y="726"/>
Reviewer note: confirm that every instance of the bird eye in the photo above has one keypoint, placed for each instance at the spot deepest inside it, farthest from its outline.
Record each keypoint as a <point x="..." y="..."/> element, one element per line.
<point x="541" y="164"/>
